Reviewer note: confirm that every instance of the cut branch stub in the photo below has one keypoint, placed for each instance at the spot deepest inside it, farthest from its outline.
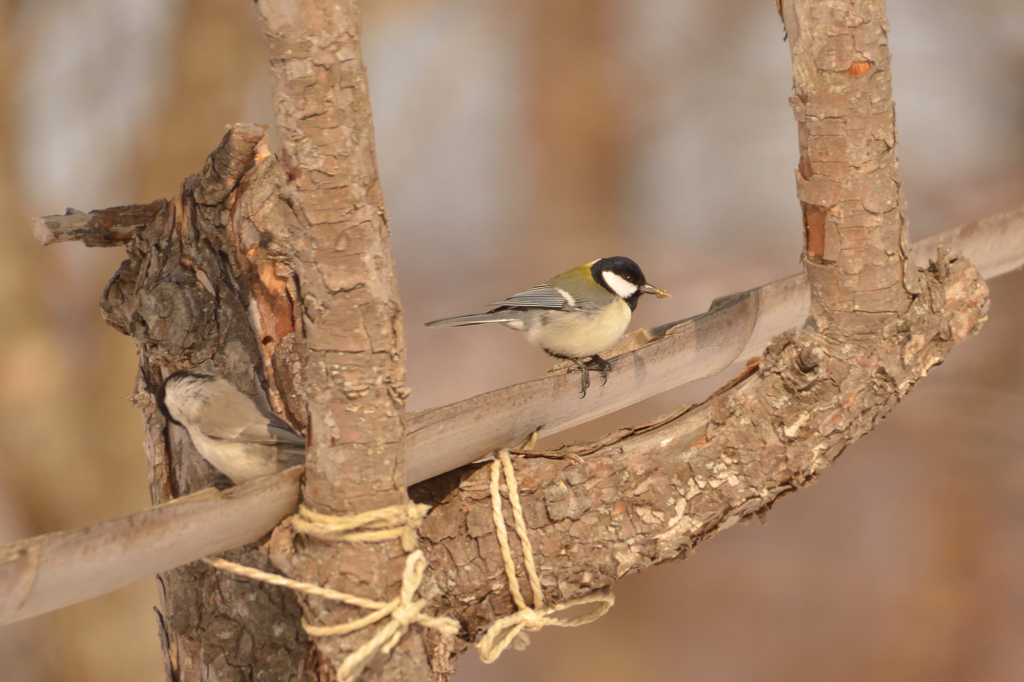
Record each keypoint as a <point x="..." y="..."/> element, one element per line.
<point x="106" y="227"/>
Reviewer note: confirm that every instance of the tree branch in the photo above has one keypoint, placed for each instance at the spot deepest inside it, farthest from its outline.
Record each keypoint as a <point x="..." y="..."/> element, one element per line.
<point x="129" y="548"/>
<point x="650" y="494"/>
<point x="185" y="295"/>
<point x="353" y="367"/>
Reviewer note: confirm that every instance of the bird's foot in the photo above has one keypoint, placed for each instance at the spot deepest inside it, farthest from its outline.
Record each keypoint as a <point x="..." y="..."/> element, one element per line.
<point x="584" y="377"/>
<point x="595" y="362"/>
<point x="601" y="365"/>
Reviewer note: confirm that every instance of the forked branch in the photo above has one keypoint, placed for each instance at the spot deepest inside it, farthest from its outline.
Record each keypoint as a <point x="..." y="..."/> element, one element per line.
<point x="212" y="278"/>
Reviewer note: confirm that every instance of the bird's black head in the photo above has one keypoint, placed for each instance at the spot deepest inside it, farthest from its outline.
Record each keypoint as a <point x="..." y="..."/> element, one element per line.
<point x="161" y="394"/>
<point x="621" y="276"/>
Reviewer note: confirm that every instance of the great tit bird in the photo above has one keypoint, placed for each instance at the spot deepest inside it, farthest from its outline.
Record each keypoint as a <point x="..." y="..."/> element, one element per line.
<point x="240" y="438"/>
<point x="574" y="315"/>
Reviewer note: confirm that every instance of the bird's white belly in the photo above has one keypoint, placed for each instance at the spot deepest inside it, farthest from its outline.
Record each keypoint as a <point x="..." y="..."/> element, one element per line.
<point x="580" y="335"/>
<point x="239" y="461"/>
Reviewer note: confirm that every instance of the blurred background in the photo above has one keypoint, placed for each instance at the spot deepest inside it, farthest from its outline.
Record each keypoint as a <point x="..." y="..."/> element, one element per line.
<point x="515" y="140"/>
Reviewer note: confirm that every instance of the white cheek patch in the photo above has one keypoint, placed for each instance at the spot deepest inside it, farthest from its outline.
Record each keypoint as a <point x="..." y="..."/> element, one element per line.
<point x="621" y="287"/>
<point x="568" y="297"/>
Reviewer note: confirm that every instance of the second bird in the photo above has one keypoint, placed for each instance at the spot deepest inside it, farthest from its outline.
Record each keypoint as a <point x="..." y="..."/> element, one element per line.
<point x="230" y="430"/>
<point x="575" y="315"/>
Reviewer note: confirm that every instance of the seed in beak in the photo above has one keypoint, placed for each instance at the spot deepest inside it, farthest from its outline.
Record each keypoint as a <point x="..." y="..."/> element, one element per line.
<point x="660" y="293"/>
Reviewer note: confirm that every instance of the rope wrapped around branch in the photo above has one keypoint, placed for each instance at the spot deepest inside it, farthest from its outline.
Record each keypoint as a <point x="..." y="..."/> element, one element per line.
<point x="401" y="521"/>
<point x="404" y="610"/>
<point x="512" y="628"/>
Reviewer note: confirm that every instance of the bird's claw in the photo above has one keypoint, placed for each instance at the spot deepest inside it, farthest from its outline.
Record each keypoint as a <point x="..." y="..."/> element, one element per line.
<point x="595" y="362"/>
<point x="584" y="381"/>
<point x="603" y="366"/>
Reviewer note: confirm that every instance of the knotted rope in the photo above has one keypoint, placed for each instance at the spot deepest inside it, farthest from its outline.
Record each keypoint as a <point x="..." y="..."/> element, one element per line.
<point x="402" y="522"/>
<point x="399" y="521"/>
<point x="509" y="629"/>
<point x="379" y="525"/>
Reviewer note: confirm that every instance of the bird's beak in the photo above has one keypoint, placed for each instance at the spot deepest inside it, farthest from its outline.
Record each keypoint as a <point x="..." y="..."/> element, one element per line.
<point x="660" y="293"/>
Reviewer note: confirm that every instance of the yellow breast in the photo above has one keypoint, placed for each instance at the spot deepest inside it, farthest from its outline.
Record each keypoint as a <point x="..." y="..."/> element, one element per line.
<point x="581" y="334"/>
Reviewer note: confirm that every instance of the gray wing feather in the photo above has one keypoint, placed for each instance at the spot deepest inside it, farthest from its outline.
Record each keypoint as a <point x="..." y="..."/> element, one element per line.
<point x="271" y="434"/>
<point x="237" y="418"/>
<point x="290" y="446"/>
<point x="543" y="296"/>
<point x="464" y="320"/>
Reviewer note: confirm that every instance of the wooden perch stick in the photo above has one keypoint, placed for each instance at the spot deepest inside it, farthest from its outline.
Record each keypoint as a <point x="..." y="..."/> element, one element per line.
<point x="994" y="244"/>
<point x="738" y="327"/>
<point x="52" y="571"/>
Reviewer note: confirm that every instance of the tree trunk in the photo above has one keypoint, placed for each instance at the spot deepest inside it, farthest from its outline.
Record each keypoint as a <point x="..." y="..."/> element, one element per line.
<point x="349" y="317"/>
<point x="197" y="276"/>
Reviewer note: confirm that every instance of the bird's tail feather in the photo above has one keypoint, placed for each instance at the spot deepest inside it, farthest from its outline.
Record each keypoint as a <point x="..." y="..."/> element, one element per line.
<point x="463" y="320"/>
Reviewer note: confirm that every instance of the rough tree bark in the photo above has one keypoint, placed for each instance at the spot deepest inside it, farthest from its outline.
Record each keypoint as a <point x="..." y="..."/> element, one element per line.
<point x="278" y="272"/>
<point x="354" y="369"/>
<point x="198" y="276"/>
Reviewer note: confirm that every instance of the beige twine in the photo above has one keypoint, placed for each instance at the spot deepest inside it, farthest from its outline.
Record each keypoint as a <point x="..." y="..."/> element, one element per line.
<point x="404" y="610"/>
<point x="379" y="525"/>
<point x="509" y="629"/>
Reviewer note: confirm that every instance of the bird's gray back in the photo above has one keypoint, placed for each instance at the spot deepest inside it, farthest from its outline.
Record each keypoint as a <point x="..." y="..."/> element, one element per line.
<point x="237" y="417"/>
